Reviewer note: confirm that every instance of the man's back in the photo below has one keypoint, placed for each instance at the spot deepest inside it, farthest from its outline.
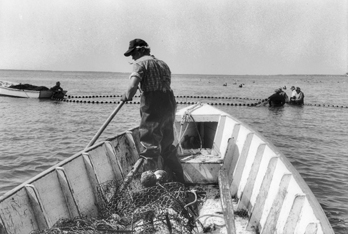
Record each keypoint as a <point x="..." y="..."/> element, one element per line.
<point x="154" y="74"/>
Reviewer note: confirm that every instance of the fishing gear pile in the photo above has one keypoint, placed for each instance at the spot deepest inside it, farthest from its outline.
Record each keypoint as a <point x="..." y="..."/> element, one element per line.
<point x="161" y="208"/>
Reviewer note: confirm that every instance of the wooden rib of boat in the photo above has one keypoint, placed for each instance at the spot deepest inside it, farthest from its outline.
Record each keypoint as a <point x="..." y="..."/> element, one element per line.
<point x="251" y="177"/>
<point x="6" y="90"/>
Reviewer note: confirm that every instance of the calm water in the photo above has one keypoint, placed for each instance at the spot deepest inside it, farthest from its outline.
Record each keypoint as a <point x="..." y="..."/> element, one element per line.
<point x="36" y="134"/>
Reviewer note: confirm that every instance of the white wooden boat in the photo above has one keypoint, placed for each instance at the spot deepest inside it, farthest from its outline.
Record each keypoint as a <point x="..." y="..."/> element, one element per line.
<point x="253" y="178"/>
<point x="6" y="90"/>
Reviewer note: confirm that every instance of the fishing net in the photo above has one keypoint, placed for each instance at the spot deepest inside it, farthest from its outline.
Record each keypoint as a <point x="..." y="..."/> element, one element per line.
<point x="158" y="209"/>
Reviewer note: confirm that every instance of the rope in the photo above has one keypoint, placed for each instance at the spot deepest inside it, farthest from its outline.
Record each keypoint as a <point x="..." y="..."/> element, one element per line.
<point x="210" y="216"/>
<point x="185" y="118"/>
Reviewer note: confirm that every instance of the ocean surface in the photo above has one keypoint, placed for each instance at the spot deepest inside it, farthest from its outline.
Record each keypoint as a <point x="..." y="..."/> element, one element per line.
<point x="36" y="134"/>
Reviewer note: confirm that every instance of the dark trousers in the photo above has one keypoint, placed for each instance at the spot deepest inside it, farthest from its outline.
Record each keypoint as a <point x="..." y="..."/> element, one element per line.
<point x="157" y="110"/>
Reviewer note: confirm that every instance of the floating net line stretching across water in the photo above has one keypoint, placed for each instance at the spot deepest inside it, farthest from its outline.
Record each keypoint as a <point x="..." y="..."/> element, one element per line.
<point x="187" y="100"/>
<point x="178" y="102"/>
<point x="179" y="96"/>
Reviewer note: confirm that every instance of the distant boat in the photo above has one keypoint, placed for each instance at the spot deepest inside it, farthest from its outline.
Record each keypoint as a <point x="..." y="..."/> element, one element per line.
<point x="11" y="89"/>
<point x="230" y="161"/>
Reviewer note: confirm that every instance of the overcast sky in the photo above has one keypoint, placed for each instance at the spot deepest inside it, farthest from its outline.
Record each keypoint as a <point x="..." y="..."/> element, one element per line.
<point x="193" y="37"/>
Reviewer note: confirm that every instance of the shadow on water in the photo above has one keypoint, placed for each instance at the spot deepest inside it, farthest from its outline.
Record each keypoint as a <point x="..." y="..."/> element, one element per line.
<point x="277" y="110"/>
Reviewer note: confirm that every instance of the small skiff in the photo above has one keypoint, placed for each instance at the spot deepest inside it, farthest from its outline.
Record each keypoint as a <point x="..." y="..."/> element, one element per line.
<point x="6" y="90"/>
<point x="237" y="182"/>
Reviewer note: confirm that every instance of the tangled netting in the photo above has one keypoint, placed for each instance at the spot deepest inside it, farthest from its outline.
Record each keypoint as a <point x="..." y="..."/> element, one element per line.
<point x="157" y="209"/>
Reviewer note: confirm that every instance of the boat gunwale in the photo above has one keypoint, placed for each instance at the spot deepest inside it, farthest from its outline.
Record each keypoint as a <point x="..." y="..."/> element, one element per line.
<point x="312" y="199"/>
<point x="25" y="91"/>
<point x="52" y="168"/>
<point x="22" y="90"/>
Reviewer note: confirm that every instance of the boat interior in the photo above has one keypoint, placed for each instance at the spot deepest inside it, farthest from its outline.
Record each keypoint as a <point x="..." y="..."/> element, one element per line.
<point x="237" y="182"/>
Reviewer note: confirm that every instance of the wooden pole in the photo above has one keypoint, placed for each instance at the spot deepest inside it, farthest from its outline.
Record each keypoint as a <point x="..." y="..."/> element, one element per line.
<point x="100" y="131"/>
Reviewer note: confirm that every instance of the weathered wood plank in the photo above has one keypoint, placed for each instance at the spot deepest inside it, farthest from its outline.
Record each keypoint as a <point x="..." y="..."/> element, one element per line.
<point x="232" y="153"/>
<point x="228" y="157"/>
<point x="16" y="213"/>
<point x="293" y="217"/>
<point x="312" y="228"/>
<point x="77" y="175"/>
<point x="226" y="202"/>
<point x="136" y="137"/>
<point x="2" y="227"/>
<point x="262" y="195"/>
<point x="307" y="217"/>
<point x="36" y="204"/>
<point x="132" y="147"/>
<point x="93" y="179"/>
<point x="204" y="173"/>
<point x="267" y="155"/>
<point x="279" y="172"/>
<point x="123" y="152"/>
<point x="250" y="158"/>
<point x="226" y="135"/>
<point x="237" y="175"/>
<point x="101" y="164"/>
<point x="52" y="198"/>
<point x="272" y="219"/>
<point x="116" y="167"/>
<point x="218" y="136"/>
<point x="244" y="202"/>
<point x="68" y="193"/>
<point x="293" y="191"/>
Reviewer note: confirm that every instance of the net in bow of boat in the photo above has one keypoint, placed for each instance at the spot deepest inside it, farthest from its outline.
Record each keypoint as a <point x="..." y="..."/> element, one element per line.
<point x="157" y="209"/>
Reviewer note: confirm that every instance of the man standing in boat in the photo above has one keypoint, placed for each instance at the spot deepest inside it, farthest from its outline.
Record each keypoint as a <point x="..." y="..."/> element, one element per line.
<point x="157" y="108"/>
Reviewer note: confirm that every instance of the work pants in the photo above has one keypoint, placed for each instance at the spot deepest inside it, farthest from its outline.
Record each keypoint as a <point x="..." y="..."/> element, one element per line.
<point x="157" y="110"/>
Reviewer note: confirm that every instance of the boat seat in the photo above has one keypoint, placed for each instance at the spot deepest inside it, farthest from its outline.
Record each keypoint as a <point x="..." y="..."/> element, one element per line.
<point x="200" y="165"/>
<point x="199" y="155"/>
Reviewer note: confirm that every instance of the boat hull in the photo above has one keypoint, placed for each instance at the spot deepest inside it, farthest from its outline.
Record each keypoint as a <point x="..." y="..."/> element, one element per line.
<point x="5" y="90"/>
<point x="230" y="154"/>
<point x="8" y="92"/>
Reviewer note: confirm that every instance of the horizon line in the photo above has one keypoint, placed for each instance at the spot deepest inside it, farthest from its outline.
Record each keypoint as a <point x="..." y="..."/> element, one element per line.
<point x="293" y="74"/>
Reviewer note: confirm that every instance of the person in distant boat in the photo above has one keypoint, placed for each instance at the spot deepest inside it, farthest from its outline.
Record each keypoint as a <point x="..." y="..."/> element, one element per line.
<point x="286" y="97"/>
<point x="57" y="87"/>
<point x="157" y="109"/>
<point x="298" y="99"/>
<point x="276" y="99"/>
<point x="293" y="92"/>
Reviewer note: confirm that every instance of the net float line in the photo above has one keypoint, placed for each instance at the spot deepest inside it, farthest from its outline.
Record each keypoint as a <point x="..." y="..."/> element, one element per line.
<point x="138" y="102"/>
<point x="76" y="99"/>
<point x="178" y="96"/>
